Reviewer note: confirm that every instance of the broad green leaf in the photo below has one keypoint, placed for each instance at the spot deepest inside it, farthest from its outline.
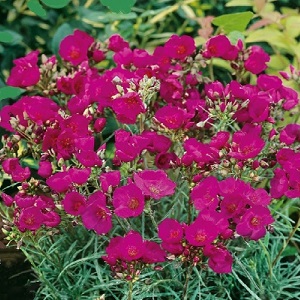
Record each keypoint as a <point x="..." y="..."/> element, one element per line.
<point x="234" y="36"/>
<point x="278" y="62"/>
<point x="56" y="3"/>
<point x="10" y="92"/>
<point x="119" y="6"/>
<point x="9" y="36"/>
<point x="239" y="3"/>
<point x="30" y="162"/>
<point x="272" y="36"/>
<point x="62" y="31"/>
<point x="6" y="37"/>
<point x="36" y="7"/>
<point x="102" y="17"/>
<point x="232" y="22"/>
<point x="292" y="26"/>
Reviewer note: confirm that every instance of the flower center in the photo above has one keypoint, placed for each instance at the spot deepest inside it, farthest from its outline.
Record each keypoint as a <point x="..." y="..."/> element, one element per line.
<point x="74" y="53"/>
<point x="133" y="203"/>
<point x="132" y="251"/>
<point x="200" y="237"/>
<point x="255" y="221"/>
<point x="101" y="213"/>
<point x="181" y="49"/>
<point x="29" y="220"/>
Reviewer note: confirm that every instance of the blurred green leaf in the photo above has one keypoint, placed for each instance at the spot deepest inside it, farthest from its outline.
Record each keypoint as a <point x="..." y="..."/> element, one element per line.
<point x="9" y="36"/>
<point x="293" y="26"/>
<point x="62" y="31"/>
<point x="119" y="6"/>
<point x="6" y="37"/>
<point x="272" y="36"/>
<point x="234" y="3"/>
<point x="232" y="22"/>
<point x="234" y="36"/>
<point x="102" y="17"/>
<point x="36" y="7"/>
<point x="10" y="92"/>
<point x="30" y="162"/>
<point x="56" y="3"/>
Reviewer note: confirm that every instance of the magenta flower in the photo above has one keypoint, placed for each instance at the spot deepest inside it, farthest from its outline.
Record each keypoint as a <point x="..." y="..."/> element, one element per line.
<point x="74" y="48"/>
<point x="220" y="260"/>
<point x="112" y="251"/>
<point x="174" y="248"/>
<point x="246" y="145"/>
<point x="201" y="232"/>
<point x="128" y="146"/>
<point x="45" y="169"/>
<point x="253" y="223"/>
<point x="12" y="167"/>
<point x="155" y="184"/>
<point x="279" y="184"/>
<point x="259" y="197"/>
<point x="217" y="46"/>
<point x="96" y="215"/>
<point x="74" y="203"/>
<point x="256" y="62"/>
<point x="116" y="43"/>
<point x="109" y="180"/>
<point x="172" y="117"/>
<point x="179" y="47"/>
<point x="166" y="160"/>
<point x="133" y="246"/>
<point x="205" y="194"/>
<point x="88" y="158"/>
<point x="156" y="142"/>
<point x="128" y="201"/>
<point x="153" y="253"/>
<point x="232" y="206"/>
<point x="59" y="182"/>
<point x="65" y="144"/>
<point x="290" y="134"/>
<point x="31" y="218"/>
<point x="51" y="219"/>
<point x="170" y="231"/>
<point x="7" y="199"/>
<point x="79" y="176"/>
<point x="294" y="183"/>
<point x="128" y="107"/>
<point x="26" y="71"/>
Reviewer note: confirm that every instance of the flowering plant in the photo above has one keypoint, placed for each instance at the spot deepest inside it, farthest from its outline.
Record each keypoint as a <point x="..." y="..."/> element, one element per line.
<point x="148" y="151"/>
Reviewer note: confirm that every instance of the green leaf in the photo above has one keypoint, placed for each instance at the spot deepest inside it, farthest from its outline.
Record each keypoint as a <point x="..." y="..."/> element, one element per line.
<point x="119" y="6"/>
<point x="10" y="92"/>
<point x="293" y="26"/>
<point x="234" y="36"/>
<point x="233" y="3"/>
<point x="30" y="162"/>
<point x="272" y="36"/>
<point x="36" y="7"/>
<point x="9" y="36"/>
<point x="233" y="22"/>
<point x="62" y="31"/>
<point x="6" y="37"/>
<point x="56" y="3"/>
<point x="102" y="17"/>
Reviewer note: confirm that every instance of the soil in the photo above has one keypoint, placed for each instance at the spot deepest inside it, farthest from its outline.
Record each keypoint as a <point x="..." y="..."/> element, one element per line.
<point x="16" y="275"/>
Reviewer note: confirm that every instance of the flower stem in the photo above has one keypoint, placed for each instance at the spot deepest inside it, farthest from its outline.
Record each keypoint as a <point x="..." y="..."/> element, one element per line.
<point x="130" y="290"/>
<point x="186" y="284"/>
<point x="287" y="242"/>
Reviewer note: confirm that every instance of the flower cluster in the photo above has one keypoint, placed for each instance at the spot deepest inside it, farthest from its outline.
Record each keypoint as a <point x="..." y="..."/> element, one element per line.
<point x="152" y="140"/>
